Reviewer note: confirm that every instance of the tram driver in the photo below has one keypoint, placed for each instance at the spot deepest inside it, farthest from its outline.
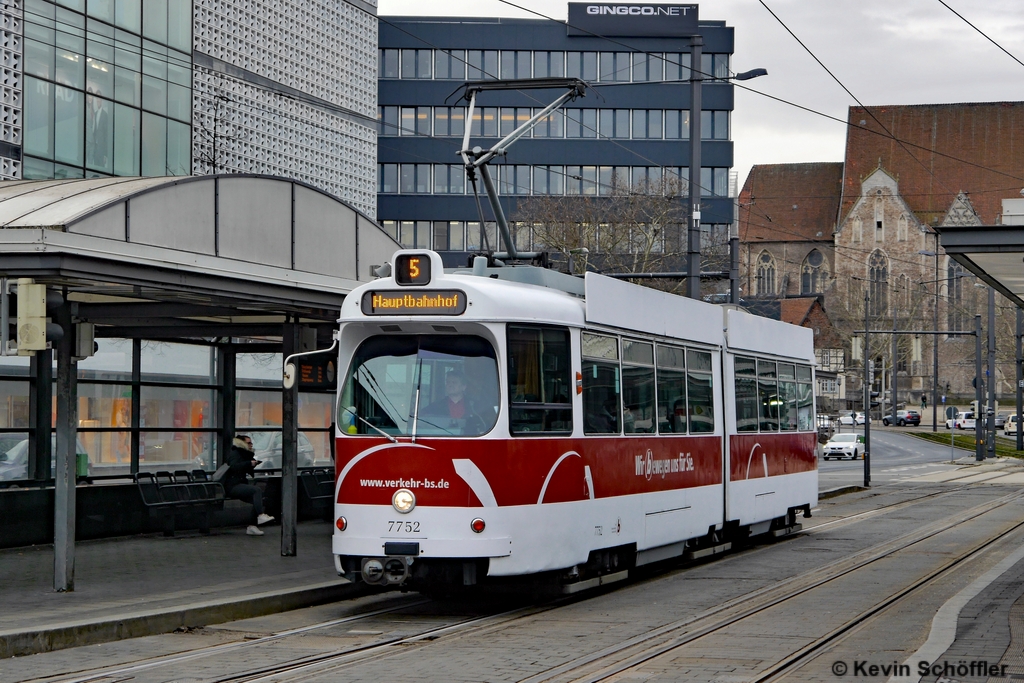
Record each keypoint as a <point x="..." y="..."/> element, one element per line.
<point x="454" y="413"/>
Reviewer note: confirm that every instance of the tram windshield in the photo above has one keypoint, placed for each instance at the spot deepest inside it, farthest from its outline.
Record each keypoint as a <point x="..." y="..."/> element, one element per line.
<point x="424" y="385"/>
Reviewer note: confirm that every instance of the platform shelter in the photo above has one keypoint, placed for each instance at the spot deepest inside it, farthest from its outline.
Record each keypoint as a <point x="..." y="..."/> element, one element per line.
<point x="193" y="288"/>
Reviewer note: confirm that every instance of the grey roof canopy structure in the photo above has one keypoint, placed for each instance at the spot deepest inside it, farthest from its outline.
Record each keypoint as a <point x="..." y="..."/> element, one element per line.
<point x="236" y="261"/>
<point x="200" y="256"/>
<point x="995" y="253"/>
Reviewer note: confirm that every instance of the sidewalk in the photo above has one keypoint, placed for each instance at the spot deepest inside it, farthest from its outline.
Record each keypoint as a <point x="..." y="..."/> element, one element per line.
<point x="130" y="587"/>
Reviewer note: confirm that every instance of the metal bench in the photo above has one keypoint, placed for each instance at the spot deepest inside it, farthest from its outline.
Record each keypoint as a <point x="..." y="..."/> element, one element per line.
<point x="165" y="494"/>
<point x="318" y="485"/>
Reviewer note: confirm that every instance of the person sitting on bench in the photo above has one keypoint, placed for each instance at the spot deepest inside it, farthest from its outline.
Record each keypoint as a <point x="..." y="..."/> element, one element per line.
<point x="241" y="464"/>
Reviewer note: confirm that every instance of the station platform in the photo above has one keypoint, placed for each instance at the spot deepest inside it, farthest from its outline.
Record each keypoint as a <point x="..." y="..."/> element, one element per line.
<point x="142" y="585"/>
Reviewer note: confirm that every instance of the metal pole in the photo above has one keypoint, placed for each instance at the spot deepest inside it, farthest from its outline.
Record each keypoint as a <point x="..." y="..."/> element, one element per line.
<point x="990" y="412"/>
<point x="64" y="476"/>
<point x="895" y="376"/>
<point x="1020" y="378"/>
<point x="136" y="433"/>
<point x="867" y="394"/>
<point x="693" y="229"/>
<point x="935" y="344"/>
<point x="289" y="449"/>
<point x="734" y="263"/>
<point x="979" y="444"/>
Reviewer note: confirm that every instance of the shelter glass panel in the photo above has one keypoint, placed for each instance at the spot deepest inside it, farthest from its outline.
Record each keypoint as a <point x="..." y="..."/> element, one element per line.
<point x="178" y="407"/>
<point x="171" y="450"/>
<point x="180" y="363"/>
<point x="14" y="405"/>
<point x="258" y="369"/>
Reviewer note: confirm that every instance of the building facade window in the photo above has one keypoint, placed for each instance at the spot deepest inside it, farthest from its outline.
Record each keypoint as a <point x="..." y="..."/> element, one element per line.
<point x="813" y="273"/>
<point x="481" y="64"/>
<point x="878" y="282"/>
<point x="765" y="281"/>
<point x="416" y="64"/>
<point x="450" y="65"/>
<point x="548" y="64"/>
<point x="516" y="64"/>
<point x="108" y="91"/>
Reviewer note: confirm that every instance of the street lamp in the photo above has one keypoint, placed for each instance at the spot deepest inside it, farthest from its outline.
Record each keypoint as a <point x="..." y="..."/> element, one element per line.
<point x="693" y="226"/>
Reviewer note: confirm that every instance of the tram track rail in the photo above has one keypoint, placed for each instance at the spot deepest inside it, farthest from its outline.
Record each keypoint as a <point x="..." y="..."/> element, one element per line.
<point x="637" y="651"/>
<point x="726" y="613"/>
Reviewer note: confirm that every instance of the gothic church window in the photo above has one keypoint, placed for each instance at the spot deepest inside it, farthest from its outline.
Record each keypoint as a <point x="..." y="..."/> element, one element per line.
<point x="956" y="317"/>
<point x="878" y="283"/>
<point x="765" y="274"/>
<point x="879" y="216"/>
<point x="813" y="273"/>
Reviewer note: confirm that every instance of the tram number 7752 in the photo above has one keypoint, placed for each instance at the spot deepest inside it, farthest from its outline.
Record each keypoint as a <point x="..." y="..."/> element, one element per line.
<point x="407" y="527"/>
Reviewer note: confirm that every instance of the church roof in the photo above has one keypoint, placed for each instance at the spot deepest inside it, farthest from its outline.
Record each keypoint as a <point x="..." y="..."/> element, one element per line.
<point x="790" y="202"/>
<point x="977" y="148"/>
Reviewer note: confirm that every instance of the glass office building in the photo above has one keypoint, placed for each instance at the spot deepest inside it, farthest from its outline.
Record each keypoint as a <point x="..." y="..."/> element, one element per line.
<point x="96" y="88"/>
<point x="630" y="130"/>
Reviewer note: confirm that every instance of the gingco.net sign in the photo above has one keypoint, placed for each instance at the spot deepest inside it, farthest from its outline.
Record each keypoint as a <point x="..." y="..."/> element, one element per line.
<point x="632" y="19"/>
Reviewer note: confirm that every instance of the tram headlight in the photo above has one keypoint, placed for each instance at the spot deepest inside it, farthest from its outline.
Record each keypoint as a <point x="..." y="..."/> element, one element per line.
<point x="403" y="501"/>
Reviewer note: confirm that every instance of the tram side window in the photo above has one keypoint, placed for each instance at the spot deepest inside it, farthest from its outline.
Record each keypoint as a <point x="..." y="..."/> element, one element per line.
<point x="699" y="392"/>
<point x="538" y="380"/>
<point x="768" y="395"/>
<point x="746" y="394"/>
<point x="805" y="399"/>
<point x="601" y="406"/>
<point x="671" y="390"/>
<point x="638" y="389"/>
<point x="787" y="397"/>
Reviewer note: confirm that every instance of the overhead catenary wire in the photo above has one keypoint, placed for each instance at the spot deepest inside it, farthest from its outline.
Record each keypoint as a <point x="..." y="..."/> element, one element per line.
<point x="887" y="134"/>
<point x="984" y="35"/>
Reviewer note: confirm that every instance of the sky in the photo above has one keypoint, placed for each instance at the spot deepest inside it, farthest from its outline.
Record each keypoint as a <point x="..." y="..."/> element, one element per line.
<point x="883" y="51"/>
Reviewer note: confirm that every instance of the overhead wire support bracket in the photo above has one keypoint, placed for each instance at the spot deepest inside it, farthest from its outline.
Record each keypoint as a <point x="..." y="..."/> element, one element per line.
<point x="476" y="158"/>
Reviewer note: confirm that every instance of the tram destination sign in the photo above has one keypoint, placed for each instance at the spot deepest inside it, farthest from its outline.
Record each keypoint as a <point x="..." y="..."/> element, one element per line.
<point x="423" y="302"/>
<point x="632" y="19"/>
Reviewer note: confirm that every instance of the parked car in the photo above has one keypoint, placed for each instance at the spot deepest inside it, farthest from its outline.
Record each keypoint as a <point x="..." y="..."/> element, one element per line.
<point x="962" y="421"/>
<point x="14" y="463"/>
<point x="843" y="446"/>
<point x="267" y="449"/>
<point x="1010" y="428"/>
<point x="904" y="418"/>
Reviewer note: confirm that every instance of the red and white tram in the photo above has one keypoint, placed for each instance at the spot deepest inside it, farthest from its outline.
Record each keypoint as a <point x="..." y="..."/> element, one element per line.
<point x="513" y="420"/>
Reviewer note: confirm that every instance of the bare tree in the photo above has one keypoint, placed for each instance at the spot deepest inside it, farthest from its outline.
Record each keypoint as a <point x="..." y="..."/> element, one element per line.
<point x="631" y="229"/>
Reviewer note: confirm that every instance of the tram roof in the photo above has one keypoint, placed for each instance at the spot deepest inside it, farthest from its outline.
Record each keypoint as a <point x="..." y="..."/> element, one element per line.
<point x="190" y="257"/>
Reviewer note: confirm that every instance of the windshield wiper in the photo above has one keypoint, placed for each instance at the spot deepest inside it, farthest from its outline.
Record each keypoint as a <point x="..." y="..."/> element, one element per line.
<point x="416" y="405"/>
<point x="371" y="425"/>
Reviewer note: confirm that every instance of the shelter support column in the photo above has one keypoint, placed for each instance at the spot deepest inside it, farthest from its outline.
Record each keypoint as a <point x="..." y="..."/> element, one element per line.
<point x="226" y="374"/>
<point x="289" y="448"/>
<point x="64" y="476"/>
<point x="40" y="416"/>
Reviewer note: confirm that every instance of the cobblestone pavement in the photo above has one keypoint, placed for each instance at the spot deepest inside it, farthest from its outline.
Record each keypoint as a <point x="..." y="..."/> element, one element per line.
<point x="520" y="643"/>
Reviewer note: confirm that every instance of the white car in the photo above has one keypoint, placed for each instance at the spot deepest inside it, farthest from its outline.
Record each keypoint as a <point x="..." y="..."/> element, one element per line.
<point x="1010" y="426"/>
<point x="843" y="446"/>
<point x="850" y="420"/>
<point x="962" y="421"/>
